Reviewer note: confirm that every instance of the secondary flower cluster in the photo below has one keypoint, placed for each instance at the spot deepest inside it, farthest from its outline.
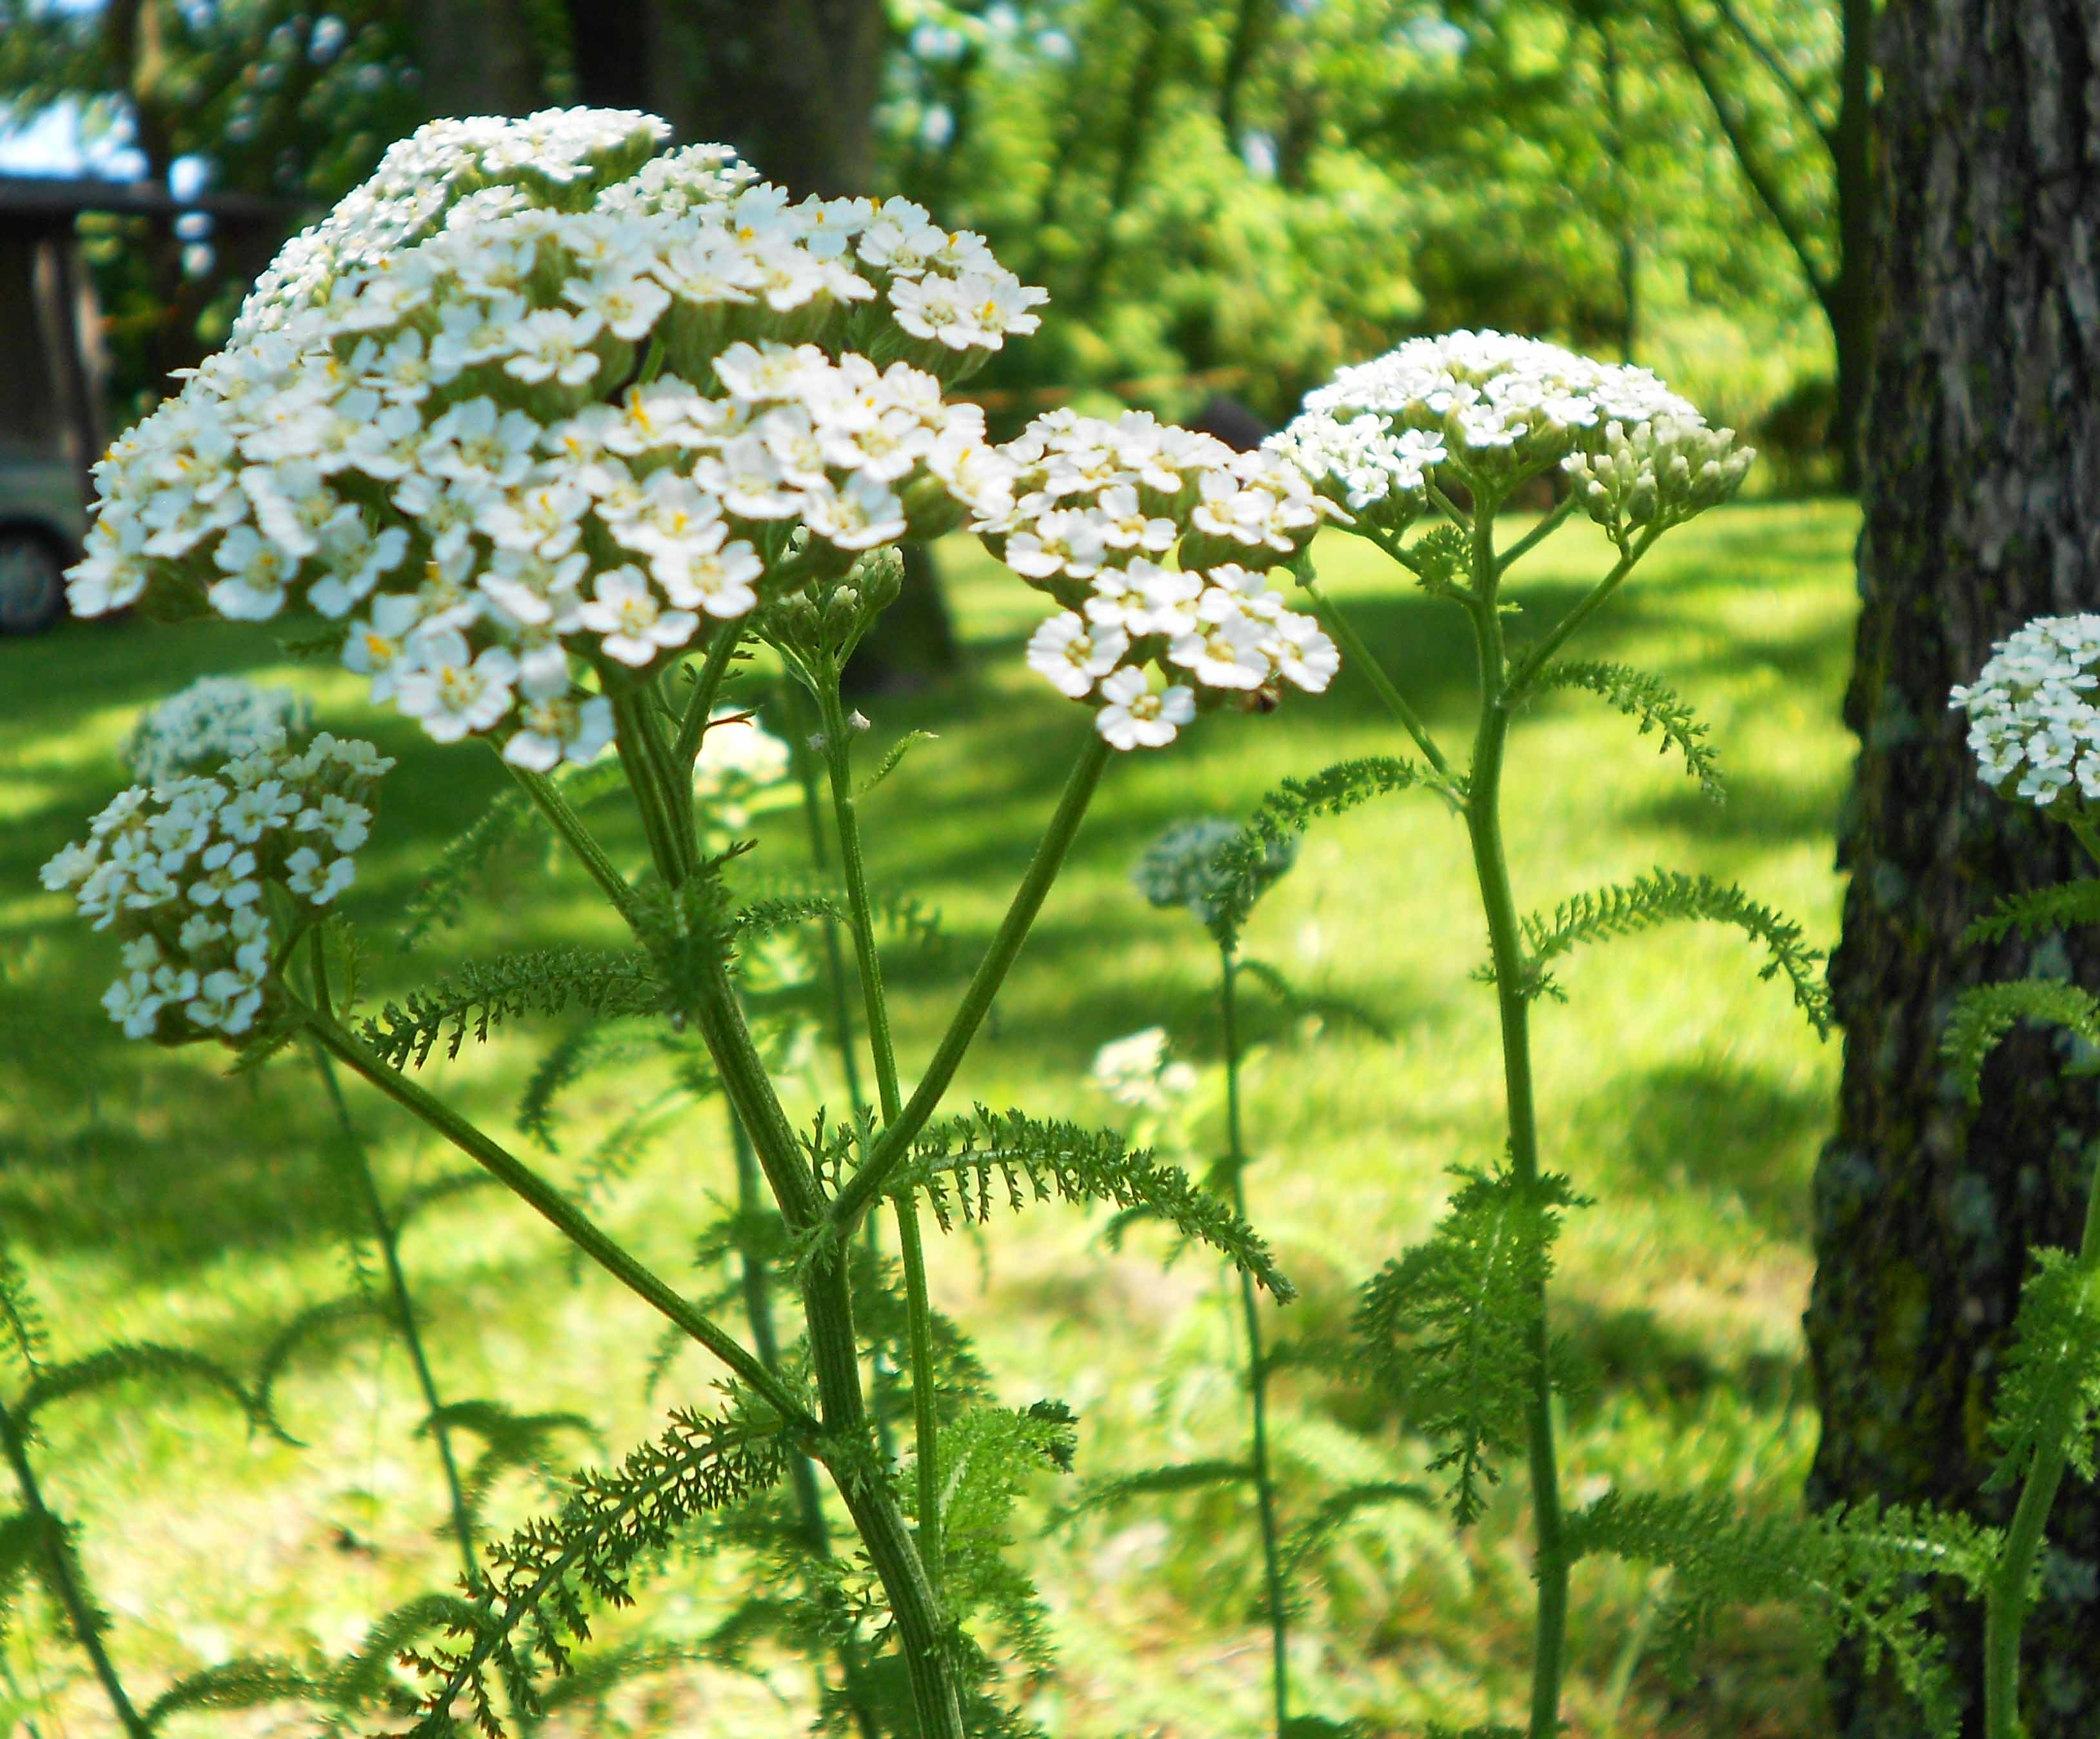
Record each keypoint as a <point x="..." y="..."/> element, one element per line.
<point x="214" y="720"/>
<point x="1099" y="509"/>
<point x="1181" y="868"/>
<point x="183" y="869"/>
<point x="1497" y="408"/>
<point x="526" y="406"/>
<point x="1135" y="1071"/>
<point x="2031" y="711"/>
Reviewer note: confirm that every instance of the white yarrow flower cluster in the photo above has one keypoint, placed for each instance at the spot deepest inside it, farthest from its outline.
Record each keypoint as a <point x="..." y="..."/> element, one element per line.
<point x="216" y="719"/>
<point x="530" y="406"/>
<point x="2032" y="712"/>
<point x="184" y="869"/>
<point x="1135" y="1070"/>
<point x="1099" y="510"/>
<point x="1497" y="408"/>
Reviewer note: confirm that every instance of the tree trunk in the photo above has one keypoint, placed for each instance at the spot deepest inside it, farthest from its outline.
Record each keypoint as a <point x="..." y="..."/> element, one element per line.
<point x="792" y="86"/>
<point x="1981" y="503"/>
<point x="1848" y="298"/>
<point x="478" y="57"/>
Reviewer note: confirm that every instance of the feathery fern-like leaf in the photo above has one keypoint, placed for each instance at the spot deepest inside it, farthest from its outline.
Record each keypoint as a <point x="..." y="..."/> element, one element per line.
<point x="435" y="901"/>
<point x="1115" y="1490"/>
<point x="483" y="995"/>
<point x="566" y="1061"/>
<point x="895" y="755"/>
<point x="1855" y="1572"/>
<point x="1652" y="704"/>
<point x="1330" y="1010"/>
<point x="2070" y="905"/>
<point x="243" y="1684"/>
<point x="961" y="1163"/>
<point x="1668" y="897"/>
<point x="21" y="1553"/>
<point x="22" y="1333"/>
<point x="987" y="1452"/>
<point x="1242" y="864"/>
<point x="330" y="1315"/>
<point x="1984" y="1014"/>
<point x="549" y="1570"/>
<point x="129" y="1360"/>
<point x="1448" y="1325"/>
<point x="2049" y="1393"/>
<point x="510" y="1441"/>
<point x="1338" y="1509"/>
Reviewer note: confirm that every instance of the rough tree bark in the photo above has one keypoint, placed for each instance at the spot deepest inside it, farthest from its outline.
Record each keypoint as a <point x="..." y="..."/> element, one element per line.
<point x="1982" y="509"/>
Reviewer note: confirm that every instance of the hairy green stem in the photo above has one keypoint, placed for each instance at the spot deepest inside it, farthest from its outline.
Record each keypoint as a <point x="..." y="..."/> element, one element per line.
<point x="1548" y="524"/>
<point x="569" y="828"/>
<point x="826" y="1281"/>
<point x="66" y="1586"/>
<point x="894" y="1144"/>
<point x="1362" y="660"/>
<point x="707" y="688"/>
<point x="867" y="958"/>
<point x="1517" y="685"/>
<point x="757" y="1287"/>
<point x="1264" y="1482"/>
<point x="2006" y="1601"/>
<point x="805" y="760"/>
<point x="397" y="1277"/>
<point x="555" y="1208"/>
<point x="1506" y="942"/>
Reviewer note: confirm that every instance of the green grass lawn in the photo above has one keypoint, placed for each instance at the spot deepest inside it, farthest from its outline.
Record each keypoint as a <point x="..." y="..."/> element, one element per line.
<point x="152" y="1197"/>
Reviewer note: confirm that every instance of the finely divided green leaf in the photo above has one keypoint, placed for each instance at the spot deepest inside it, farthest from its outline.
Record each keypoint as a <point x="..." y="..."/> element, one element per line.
<point x="1668" y="897"/>
<point x="961" y="1163"/>
<point x="1652" y="704"/>
<point x="1984" y="1014"/>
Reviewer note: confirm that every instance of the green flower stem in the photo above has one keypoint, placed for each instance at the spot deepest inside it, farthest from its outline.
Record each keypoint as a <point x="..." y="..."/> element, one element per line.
<point x="72" y="1596"/>
<point x="812" y="816"/>
<point x="1538" y="535"/>
<point x="1517" y="685"/>
<point x="918" y="1307"/>
<point x="1265" y="1482"/>
<point x="1506" y="942"/>
<point x="707" y="688"/>
<point x="1365" y="663"/>
<point x="894" y="1145"/>
<point x="569" y="827"/>
<point x="757" y="1286"/>
<point x="397" y="1277"/>
<point x="557" y="1210"/>
<point x="2006" y="1601"/>
<point x="663" y="795"/>
<point x="826" y="1283"/>
<point x="842" y="1027"/>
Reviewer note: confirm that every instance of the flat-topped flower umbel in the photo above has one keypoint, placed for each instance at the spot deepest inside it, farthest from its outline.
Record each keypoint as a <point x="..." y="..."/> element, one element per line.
<point x="532" y="401"/>
<point x="1493" y="409"/>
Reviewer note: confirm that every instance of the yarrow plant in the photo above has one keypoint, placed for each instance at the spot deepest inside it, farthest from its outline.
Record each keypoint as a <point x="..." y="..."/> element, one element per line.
<point x="1449" y="430"/>
<point x="541" y="432"/>
<point x="2033" y="728"/>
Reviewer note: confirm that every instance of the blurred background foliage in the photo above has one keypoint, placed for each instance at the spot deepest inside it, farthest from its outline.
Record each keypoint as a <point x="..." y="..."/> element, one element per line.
<point x="1225" y="197"/>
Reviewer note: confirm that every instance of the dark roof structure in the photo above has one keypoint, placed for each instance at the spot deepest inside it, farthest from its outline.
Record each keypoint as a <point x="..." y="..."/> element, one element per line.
<point x="53" y="202"/>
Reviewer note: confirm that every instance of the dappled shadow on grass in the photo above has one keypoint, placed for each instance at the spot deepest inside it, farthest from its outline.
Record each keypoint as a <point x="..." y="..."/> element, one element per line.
<point x="1710" y="1127"/>
<point x="1758" y="811"/>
